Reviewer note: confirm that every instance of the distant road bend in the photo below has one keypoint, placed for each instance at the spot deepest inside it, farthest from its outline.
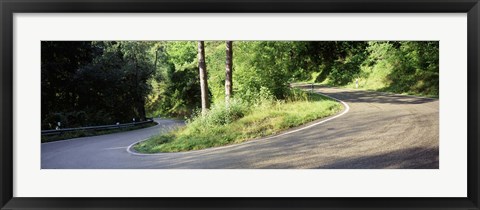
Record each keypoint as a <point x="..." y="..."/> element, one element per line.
<point x="379" y="131"/>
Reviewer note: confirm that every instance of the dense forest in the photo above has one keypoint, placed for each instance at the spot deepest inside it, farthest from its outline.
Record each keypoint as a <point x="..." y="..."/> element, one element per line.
<point x="105" y="82"/>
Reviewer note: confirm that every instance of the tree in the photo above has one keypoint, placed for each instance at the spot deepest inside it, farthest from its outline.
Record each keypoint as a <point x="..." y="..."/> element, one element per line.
<point x="202" y="67"/>
<point x="60" y="62"/>
<point x="139" y="66"/>
<point x="228" y="72"/>
<point x="176" y="83"/>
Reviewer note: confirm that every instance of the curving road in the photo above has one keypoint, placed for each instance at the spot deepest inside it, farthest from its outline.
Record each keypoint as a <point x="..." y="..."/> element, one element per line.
<point x="379" y="131"/>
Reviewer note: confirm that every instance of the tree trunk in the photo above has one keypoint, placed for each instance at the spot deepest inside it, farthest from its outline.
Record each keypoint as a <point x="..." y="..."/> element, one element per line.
<point x="202" y="67"/>
<point x="228" y="72"/>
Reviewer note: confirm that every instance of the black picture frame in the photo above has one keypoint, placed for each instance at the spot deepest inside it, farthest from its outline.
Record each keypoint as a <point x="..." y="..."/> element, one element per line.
<point x="9" y="7"/>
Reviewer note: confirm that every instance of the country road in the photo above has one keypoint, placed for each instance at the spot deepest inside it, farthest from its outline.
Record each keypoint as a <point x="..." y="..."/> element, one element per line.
<point x="379" y="131"/>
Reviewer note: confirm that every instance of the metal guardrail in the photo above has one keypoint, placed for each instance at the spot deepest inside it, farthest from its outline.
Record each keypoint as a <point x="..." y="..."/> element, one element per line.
<point x="95" y="128"/>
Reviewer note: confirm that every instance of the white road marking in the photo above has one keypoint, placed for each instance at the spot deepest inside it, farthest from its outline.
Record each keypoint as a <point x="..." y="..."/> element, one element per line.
<point x="136" y="153"/>
<point x="347" y="108"/>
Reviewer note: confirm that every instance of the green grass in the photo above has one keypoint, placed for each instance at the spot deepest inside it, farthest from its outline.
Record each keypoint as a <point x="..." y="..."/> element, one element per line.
<point x="239" y="123"/>
<point x="85" y="133"/>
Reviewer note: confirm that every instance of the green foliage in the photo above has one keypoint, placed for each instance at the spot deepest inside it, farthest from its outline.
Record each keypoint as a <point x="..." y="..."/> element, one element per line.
<point x="346" y="69"/>
<point x="182" y="54"/>
<point x="176" y="86"/>
<point x="111" y="86"/>
<point x="215" y="58"/>
<point x="261" y="69"/>
<point x="400" y="67"/>
<point x="60" y="61"/>
<point x="418" y="72"/>
<point x="94" y="83"/>
<point x="219" y="114"/>
<point x="114" y="83"/>
<point x="260" y="65"/>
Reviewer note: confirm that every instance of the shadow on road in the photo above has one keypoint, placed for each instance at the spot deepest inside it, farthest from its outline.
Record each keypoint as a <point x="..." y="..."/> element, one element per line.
<point x="362" y="96"/>
<point x="377" y="97"/>
<point x="425" y="158"/>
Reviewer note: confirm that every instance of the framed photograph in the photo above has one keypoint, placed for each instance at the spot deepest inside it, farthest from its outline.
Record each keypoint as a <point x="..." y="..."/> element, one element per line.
<point x="205" y="104"/>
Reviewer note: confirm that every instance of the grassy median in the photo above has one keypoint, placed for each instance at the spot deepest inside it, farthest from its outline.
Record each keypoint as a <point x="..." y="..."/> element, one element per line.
<point x="242" y="122"/>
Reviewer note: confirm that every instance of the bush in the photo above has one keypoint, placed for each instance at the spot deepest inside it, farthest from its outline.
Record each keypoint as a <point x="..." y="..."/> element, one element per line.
<point x="346" y="70"/>
<point x="219" y="114"/>
<point x="256" y="97"/>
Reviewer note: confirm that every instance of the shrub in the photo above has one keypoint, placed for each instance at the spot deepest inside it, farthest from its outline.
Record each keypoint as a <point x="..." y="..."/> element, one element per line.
<point x="219" y="114"/>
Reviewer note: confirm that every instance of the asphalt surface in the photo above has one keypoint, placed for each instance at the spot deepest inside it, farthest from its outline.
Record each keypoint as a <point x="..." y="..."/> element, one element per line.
<point x="379" y="131"/>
